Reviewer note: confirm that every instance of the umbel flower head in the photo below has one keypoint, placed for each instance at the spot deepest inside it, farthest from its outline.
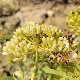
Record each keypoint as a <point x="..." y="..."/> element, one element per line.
<point x="73" y="21"/>
<point x="32" y="37"/>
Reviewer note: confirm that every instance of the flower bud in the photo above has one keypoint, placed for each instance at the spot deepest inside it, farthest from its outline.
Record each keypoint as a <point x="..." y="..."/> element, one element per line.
<point x="48" y="40"/>
<point x="79" y="7"/>
<point x="59" y="48"/>
<point x="25" y="59"/>
<point x="71" y="20"/>
<point x="78" y="31"/>
<point x="78" y="28"/>
<point x="56" y="30"/>
<point x="54" y="45"/>
<point x="70" y="26"/>
<point x="24" y="42"/>
<point x="13" y="45"/>
<point x="46" y="29"/>
<point x="18" y="31"/>
<point x="76" y="24"/>
<point x="60" y="33"/>
<point x="49" y="29"/>
<point x="5" y="48"/>
<point x="20" y="44"/>
<point x="75" y="29"/>
<point x="5" y="53"/>
<point x="71" y="30"/>
<point x="17" y="52"/>
<point x="26" y="50"/>
<point x="77" y="34"/>
<point x="52" y="38"/>
<point x="38" y="29"/>
<point x="61" y="38"/>
<point x="66" y="20"/>
<point x="28" y="45"/>
<point x="76" y="43"/>
<point x="44" y="41"/>
<point x="78" y="20"/>
<point x="16" y="59"/>
<point x="32" y="29"/>
<point x="53" y="31"/>
<point x="8" y="44"/>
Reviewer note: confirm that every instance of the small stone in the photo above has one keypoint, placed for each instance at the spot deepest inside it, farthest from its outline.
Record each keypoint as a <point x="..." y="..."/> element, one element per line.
<point x="50" y="13"/>
<point x="17" y="73"/>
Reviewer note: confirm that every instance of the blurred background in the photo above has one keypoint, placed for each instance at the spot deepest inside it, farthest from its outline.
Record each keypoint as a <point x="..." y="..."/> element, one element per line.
<point x="16" y="13"/>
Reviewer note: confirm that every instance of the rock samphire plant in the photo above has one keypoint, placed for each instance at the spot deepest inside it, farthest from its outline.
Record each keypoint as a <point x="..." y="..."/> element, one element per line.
<point x="47" y="40"/>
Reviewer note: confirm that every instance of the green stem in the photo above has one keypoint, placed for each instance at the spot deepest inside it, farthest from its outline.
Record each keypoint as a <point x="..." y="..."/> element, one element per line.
<point x="35" y="66"/>
<point x="49" y="77"/>
<point x="74" y="37"/>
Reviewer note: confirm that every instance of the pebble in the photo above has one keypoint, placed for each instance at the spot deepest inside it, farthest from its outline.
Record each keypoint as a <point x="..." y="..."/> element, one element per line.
<point x="50" y="13"/>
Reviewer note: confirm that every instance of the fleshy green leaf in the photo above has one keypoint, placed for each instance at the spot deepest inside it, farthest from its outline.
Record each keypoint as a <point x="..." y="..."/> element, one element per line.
<point x="70" y="78"/>
<point x="78" y="66"/>
<point x="20" y="69"/>
<point x="7" y="78"/>
<point x="52" y="71"/>
<point x="48" y="70"/>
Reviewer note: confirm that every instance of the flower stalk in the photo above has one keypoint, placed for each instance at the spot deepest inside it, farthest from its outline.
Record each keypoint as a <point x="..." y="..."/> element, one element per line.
<point x="35" y="65"/>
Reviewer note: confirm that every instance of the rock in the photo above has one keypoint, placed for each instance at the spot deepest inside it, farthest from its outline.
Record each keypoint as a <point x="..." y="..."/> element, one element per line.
<point x="50" y="13"/>
<point x="15" y="22"/>
<point x="17" y="73"/>
<point x="69" y="8"/>
<point x="58" y="21"/>
<point x="7" y="7"/>
<point x="34" y="15"/>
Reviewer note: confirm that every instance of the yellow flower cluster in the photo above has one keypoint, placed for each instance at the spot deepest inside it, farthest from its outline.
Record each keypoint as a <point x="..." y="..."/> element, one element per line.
<point x="73" y="21"/>
<point x="32" y="37"/>
<point x="51" y="44"/>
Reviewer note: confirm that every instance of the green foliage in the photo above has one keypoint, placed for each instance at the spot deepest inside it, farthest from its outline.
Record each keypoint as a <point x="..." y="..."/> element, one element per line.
<point x="72" y="70"/>
<point x="48" y="70"/>
<point x="77" y="65"/>
<point x="20" y="69"/>
<point x="7" y="78"/>
<point x="57" y="74"/>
